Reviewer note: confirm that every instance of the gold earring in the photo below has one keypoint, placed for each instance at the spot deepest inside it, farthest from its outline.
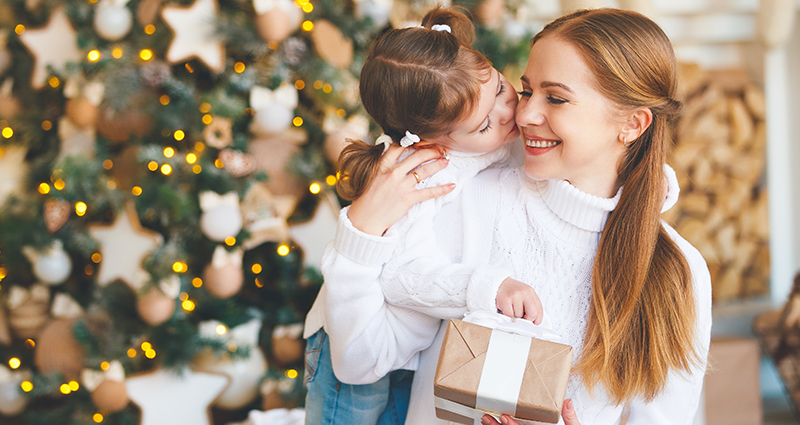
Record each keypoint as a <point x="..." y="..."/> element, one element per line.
<point x="624" y="141"/>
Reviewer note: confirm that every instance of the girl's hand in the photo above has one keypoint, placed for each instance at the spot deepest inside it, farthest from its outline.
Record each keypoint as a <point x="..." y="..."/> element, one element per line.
<point x="516" y="299"/>
<point x="567" y="412"/>
<point x="393" y="191"/>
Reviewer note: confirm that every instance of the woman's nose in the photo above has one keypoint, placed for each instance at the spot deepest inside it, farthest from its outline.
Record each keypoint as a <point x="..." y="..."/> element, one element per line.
<point x="529" y="114"/>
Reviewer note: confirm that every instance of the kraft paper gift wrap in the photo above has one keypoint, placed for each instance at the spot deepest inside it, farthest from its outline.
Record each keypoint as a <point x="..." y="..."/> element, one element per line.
<point x="497" y="367"/>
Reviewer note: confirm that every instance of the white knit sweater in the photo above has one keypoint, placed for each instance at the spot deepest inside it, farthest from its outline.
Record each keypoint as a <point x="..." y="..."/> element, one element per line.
<point x="546" y="233"/>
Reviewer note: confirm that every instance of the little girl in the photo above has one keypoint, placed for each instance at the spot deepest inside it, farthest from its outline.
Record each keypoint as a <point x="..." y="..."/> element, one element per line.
<point x="430" y="91"/>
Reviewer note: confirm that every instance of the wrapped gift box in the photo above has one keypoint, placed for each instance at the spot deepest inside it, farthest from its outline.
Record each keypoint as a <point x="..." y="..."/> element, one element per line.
<point x="484" y="370"/>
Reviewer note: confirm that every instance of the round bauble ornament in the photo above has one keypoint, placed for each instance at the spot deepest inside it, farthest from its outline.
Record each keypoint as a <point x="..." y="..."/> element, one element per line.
<point x="52" y="265"/>
<point x="28" y="310"/>
<point x="221" y="221"/>
<point x="120" y="125"/>
<point x="110" y="396"/>
<point x="12" y="400"/>
<point x="155" y="307"/>
<point x="288" y="344"/>
<point x="273" y="118"/>
<point x="112" y="21"/>
<point x="278" y="23"/>
<point x="245" y="376"/>
<point x="57" y="350"/>
<point x="377" y="11"/>
<point x="81" y="112"/>
<point x="223" y="277"/>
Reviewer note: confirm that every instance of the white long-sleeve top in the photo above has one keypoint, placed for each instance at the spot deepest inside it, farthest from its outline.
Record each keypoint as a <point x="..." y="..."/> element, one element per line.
<point x="546" y="233"/>
<point x="407" y="252"/>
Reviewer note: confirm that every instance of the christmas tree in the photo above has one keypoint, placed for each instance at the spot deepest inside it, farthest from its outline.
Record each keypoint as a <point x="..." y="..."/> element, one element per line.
<point x="167" y="173"/>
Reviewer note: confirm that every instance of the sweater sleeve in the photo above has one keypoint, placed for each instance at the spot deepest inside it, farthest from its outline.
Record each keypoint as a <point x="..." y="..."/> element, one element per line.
<point x="678" y="403"/>
<point x="421" y="277"/>
<point x="368" y="337"/>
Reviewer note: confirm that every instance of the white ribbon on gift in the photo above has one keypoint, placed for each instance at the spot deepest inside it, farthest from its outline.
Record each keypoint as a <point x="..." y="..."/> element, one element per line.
<point x="505" y="362"/>
<point x="285" y="95"/>
<point x="210" y="199"/>
<point x="93" y="378"/>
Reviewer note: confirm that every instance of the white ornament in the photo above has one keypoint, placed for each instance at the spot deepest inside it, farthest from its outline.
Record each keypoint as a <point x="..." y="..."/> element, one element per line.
<point x="377" y="10"/>
<point x="123" y="246"/>
<point x="245" y="373"/>
<point x="52" y="265"/>
<point x="194" y="34"/>
<point x="315" y="234"/>
<point x="274" y="109"/>
<point x="52" y="46"/>
<point x="12" y="400"/>
<point x="65" y="307"/>
<point x="113" y="20"/>
<point x="168" y="398"/>
<point x="221" y="215"/>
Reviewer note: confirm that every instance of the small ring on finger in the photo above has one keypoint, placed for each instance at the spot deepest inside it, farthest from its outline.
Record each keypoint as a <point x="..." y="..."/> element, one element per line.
<point x="416" y="176"/>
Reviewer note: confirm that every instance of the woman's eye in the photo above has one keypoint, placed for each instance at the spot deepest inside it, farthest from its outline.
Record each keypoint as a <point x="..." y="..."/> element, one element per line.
<point x="524" y="93"/>
<point x="555" y="100"/>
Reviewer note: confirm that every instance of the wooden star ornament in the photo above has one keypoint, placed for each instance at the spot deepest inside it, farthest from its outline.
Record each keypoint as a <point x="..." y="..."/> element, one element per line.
<point x="169" y="398"/>
<point x="51" y="46"/>
<point x="123" y="246"/>
<point x="194" y="34"/>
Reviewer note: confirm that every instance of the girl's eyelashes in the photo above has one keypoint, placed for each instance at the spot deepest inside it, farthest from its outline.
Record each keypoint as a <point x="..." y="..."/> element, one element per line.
<point x="488" y="126"/>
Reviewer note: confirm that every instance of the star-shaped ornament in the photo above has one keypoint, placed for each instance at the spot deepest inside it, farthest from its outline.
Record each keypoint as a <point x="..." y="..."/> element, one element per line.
<point x="12" y="170"/>
<point x="194" y="34"/>
<point x="169" y="398"/>
<point x="123" y="246"/>
<point x="52" y="46"/>
<point x="314" y="234"/>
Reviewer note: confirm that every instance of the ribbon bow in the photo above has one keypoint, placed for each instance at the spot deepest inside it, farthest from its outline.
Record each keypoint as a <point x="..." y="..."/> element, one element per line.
<point x="92" y="92"/>
<point x="244" y="335"/>
<point x="514" y="325"/>
<point x="222" y="257"/>
<point x="18" y="295"/>
<point x="93" y="378"/>
<point x="65" y="307"/>
<point x="55" y="248"/>
<point x="210" y="200"/>
<point x="9" y="376"/>
<point x="285" y="95"/>
<point x="441" y="27"/>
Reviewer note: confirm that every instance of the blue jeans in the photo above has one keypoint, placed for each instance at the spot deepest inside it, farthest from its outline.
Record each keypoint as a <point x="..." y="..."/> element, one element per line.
<point x="332" y="402"/>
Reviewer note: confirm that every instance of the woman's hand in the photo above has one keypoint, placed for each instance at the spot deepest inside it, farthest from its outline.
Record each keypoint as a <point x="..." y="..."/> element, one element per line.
<point x="516" y="299"/>
<point x="567" y="412"/>
<point x="393" y="191"/>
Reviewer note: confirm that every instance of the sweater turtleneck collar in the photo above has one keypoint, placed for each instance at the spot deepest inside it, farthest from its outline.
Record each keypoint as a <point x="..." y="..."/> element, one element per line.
<point x="578" y="208"/>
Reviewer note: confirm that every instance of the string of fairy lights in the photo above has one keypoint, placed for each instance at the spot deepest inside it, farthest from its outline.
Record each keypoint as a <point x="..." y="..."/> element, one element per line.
<point x="172" y="160"/>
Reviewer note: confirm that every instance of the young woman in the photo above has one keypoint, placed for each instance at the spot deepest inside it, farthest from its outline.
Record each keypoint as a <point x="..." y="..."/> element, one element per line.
<point x="580" y="223"/>
<point x="429" y="91"/>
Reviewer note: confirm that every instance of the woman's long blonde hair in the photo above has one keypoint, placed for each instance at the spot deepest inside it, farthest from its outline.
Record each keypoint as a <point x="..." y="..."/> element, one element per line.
<point x="642" y="317"/>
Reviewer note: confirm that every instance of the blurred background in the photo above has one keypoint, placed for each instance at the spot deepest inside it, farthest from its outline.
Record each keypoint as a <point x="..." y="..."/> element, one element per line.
<point x="167" y="173"/>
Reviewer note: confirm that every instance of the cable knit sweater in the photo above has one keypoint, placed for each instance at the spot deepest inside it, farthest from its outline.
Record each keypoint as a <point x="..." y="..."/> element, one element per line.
<point x="408" y="251"/>
<point x="546" y="233"/>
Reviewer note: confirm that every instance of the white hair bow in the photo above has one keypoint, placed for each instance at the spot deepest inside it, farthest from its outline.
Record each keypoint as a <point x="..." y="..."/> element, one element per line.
<point x="441" y="27"/>
<point x="409" y="139"/>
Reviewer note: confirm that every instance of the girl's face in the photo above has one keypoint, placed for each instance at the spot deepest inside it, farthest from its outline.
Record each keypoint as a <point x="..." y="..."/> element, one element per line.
<point x="570" y="130"/>
<point x="491" y="124"/>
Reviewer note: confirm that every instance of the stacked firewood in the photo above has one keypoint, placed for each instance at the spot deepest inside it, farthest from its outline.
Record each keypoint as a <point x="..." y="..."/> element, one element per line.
<point x="719" y="156"/>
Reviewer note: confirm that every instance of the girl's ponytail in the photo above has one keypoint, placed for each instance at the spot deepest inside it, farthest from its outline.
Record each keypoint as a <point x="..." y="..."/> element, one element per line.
<point x="358" y="164"/>
<point x="457" y="19"/>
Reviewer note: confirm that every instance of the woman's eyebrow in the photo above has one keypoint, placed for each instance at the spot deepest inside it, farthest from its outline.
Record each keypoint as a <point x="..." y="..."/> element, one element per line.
<point x="546" y="84"/>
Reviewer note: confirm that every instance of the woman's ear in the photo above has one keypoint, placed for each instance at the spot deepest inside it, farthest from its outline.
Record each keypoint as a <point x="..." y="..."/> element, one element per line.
<point x="635" y="125"/>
